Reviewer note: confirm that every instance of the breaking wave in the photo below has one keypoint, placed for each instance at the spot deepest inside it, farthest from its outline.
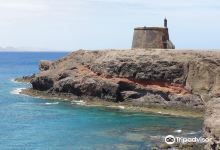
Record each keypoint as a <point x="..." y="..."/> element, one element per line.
<point x="78" y="102"/>
<point x="177" y="131"/>
<point x="120" y="107"/>
<point x="17" y="91"/>
<point x="54" y="103"/>
<point x="194" y="132"/>
<point x="14" y="81"/>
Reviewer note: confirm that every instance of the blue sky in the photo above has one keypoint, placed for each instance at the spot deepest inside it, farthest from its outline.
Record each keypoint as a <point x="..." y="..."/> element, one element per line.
<point x="98" y="24"/>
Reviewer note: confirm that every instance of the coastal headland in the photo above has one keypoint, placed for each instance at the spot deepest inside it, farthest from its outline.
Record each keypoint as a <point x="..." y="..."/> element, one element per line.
<point x="174" y="81"/>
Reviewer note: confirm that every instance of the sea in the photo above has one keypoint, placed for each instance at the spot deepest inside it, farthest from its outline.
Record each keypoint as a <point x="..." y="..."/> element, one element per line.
<point x="30" y="123"/>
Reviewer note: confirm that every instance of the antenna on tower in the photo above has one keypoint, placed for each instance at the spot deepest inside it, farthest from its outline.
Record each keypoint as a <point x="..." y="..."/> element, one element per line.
<point x="165" y="22"/>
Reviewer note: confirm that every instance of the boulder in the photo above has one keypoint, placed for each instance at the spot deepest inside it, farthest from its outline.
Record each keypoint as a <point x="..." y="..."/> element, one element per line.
<point x="44" y="65"/>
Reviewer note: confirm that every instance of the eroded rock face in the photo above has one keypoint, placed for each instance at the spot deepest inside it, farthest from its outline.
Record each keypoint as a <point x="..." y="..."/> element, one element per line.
<point x="87" y="86"/>
<point x="42" y="83"/>
<point x="175" y="73"/>
<point x="167" y="78"/>
<point x="212" y="124"/>
<point x="148" y="70"/>
<point x="203" y="77"/>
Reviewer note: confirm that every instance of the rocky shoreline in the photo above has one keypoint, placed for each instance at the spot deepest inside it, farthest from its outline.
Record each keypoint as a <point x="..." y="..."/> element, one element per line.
<point x="172" y="80"/>
<point x="95" y="102"/>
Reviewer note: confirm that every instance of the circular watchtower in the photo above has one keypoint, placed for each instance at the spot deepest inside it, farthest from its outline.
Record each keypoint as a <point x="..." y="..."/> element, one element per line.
<point x="152" y="37"/>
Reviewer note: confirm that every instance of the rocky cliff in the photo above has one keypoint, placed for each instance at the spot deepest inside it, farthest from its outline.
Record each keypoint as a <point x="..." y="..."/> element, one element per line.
<point x="147" y="78"/>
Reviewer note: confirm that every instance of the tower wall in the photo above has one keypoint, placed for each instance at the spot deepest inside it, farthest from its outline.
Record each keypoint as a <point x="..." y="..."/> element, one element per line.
<point x="150" y="37"/>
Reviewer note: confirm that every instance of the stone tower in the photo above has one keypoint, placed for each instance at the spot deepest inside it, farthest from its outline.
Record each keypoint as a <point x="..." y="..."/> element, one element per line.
<point x="152" y="37"/>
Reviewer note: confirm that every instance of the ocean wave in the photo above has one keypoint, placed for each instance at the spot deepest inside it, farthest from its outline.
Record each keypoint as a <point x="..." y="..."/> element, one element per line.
<point x="194" y="132"/>
<point x="53" y="103"/>
<point x="120" y="107"/>
<point x="177" y="131"/>
<point x="17" y="91"/>
<point x="14" y="81"/>
<point x="80" y="102"/>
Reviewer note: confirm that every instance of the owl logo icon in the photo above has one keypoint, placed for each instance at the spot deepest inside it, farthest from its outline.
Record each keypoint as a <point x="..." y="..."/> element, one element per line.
<point x="170" y="139"/>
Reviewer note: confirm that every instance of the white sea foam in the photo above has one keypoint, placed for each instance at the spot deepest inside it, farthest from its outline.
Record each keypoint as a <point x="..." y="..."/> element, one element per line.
<point x="17" y="91"/>
<point x="14" y="81"/>
<point x="54" y="103"/>
<point x="193" y="132"/>
<point x="178" y="131"/>
<point x="80" y="102"/>
<point x="120" y="107"/>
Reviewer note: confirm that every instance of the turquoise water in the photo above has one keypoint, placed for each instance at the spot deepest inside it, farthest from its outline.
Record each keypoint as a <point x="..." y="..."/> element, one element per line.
<point x="37" y="124"/>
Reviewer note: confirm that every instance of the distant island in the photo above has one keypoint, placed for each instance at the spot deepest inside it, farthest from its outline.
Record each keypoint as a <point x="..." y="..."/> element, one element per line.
<point x="162" y="80"/>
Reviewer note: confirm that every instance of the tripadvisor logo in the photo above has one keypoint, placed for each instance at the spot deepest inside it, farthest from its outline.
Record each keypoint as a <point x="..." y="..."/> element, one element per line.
<point x="169" y="139"/>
